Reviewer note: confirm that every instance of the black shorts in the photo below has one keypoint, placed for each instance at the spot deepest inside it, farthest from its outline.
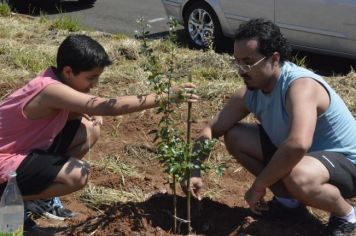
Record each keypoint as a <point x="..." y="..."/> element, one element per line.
<point x="39" y="169"/>
<point x="342" y="171"/>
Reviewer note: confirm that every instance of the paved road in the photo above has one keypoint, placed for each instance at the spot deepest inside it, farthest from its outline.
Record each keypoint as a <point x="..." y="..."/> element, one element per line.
<point x="113" y="16"/>
<point x="119" y="16"/>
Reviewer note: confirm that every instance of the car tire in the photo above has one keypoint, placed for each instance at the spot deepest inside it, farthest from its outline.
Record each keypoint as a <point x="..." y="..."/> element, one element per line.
<point x="87" y="1"/>
<point x="20" y="6"/>
<point x="202" y="26"/>
<point x="8" y="2"/>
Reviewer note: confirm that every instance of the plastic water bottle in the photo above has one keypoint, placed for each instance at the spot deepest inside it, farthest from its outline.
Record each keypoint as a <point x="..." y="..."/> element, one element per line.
<point x="11" y="209"/>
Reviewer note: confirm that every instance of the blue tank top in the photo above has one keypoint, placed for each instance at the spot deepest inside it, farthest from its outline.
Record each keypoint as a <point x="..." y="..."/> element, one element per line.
<point x="335" y="129"/>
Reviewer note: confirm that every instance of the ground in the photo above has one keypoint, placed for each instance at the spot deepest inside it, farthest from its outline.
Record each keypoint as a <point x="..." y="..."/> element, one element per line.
<point x="221" y="212"/>
<point x="129" y="193"/>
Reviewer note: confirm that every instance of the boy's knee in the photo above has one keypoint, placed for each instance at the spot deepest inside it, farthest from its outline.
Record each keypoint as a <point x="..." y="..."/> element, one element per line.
<point x="81" y="182"/>
<point x="94" y="134"/>
<point x="80" y="176"/>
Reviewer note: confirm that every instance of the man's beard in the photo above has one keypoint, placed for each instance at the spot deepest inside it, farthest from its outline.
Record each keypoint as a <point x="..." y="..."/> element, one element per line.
<point x="250" y="88"/>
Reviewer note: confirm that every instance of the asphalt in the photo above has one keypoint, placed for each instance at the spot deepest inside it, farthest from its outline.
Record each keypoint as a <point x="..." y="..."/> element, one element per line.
<point x="119" y="16"/>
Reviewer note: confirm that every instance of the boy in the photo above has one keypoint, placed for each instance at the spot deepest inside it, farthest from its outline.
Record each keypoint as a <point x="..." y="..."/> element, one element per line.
<point x="46" y="127"/>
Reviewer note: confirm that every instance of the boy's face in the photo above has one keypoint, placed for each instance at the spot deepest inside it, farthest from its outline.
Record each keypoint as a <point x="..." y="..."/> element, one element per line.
<point x="84" y="81"/>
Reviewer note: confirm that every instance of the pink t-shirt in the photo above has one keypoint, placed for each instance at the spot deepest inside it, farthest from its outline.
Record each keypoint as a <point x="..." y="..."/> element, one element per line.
<point x="20" y="135"/>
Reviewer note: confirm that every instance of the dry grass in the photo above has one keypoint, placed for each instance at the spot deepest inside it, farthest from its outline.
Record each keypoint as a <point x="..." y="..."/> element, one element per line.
<point x="98" y="196"/>
<point x="115" y="164"/>
<point x="28" y="46"/>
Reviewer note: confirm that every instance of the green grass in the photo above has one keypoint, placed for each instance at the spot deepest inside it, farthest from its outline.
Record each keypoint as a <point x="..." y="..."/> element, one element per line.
<point x="28" y="47"/>
<point x="5" y="10"/>
<point x="300" y="61"/>
<point x="65" y="22"/>
<point x="31" y="59"/>
<point x="119" y="36"/>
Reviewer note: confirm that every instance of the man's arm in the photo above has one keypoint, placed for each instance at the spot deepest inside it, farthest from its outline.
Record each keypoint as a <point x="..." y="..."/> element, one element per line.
<point x="302" y="103"/>
<point x="234" y="111"/>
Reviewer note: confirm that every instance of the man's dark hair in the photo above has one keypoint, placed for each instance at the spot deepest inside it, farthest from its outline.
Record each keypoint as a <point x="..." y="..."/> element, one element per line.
<point x="81" y="53"/>
<point x="268" y="36"/>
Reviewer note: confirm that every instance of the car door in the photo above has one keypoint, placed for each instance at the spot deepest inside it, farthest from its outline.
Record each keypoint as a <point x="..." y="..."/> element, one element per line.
<point x="238" y="11"/>
<point x="326" y="25"/>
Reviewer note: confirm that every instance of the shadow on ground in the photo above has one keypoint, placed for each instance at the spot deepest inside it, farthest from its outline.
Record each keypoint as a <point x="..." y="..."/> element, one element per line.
<point x="209" y="217"/>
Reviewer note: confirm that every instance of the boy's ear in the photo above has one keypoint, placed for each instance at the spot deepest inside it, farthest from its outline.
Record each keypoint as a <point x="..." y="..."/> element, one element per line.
<point x="67" y="72"/>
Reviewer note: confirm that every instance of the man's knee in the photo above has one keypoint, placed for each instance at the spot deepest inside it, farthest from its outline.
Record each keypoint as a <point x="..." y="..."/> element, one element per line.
<point x="232" y="140"/>
<point x="299" y="182"/>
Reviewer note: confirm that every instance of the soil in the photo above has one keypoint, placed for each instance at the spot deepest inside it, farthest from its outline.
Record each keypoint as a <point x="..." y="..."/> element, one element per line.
<point x="225" y="213"/>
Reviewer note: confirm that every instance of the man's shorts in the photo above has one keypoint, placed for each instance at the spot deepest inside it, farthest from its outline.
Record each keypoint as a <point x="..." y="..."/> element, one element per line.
<point x="39" y="169"/>
<point x="342" y="171"/>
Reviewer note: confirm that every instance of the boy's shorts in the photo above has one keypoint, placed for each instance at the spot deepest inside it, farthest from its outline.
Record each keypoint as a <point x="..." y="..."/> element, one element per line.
<point x="342" y="171"/>
<point x="39" y="169"/>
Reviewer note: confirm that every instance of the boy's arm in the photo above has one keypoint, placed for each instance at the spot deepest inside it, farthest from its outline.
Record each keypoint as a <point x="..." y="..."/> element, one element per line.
<point x="62" y="97"/>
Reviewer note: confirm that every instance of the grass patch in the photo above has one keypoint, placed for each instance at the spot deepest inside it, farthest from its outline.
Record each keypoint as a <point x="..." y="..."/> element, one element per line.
<point x="31" y="60"/>
<point x="114" y="164"/>
<point x="98" y="197"/>
<point x="119" y="36"/>
<point x="213" y="193"/>
<point x="300" y="61"/>
<point x="5" y="10"/>
<point x="65" y="22"/>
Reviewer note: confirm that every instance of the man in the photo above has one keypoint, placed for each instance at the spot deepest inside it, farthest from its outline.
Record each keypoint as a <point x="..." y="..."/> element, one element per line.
<point x="304" y="148"/>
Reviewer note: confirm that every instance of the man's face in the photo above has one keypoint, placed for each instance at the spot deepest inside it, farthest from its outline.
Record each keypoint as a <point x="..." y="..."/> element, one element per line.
<point x="85" y="80"/>
<point x="255" y="68"/>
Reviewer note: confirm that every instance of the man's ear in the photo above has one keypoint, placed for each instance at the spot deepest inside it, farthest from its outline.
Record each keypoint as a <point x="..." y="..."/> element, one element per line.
<point x="276" y="58"/>
<point x="67" y="72"/>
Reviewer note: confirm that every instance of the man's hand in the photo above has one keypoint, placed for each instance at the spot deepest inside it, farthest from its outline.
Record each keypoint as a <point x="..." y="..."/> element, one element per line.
<point x="196" y="184"/>
<point x="185" y="91"/>
<point x="255" y="199"/>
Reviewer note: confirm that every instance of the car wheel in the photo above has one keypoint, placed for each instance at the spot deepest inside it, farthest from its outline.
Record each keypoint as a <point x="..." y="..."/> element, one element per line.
<point x="202" y="25"/>
<point x="8" y="2"/>
<point x="87" y="1"/>
<point x="19" y="6"/>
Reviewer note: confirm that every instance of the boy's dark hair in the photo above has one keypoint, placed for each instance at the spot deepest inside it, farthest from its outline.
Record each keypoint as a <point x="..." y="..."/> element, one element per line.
<point x="268" y="36"/>
<point x="81" y="53"/>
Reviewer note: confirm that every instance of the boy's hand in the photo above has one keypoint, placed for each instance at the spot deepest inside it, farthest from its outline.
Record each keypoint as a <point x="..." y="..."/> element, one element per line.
<point x="185" y="92"/>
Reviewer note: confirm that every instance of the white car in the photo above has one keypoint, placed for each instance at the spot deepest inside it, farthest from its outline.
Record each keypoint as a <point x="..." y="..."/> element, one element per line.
<point x="324" y="26"/>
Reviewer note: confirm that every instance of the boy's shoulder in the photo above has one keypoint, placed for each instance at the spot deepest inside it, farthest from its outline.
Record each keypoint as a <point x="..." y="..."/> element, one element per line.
<point x="47" y="74"/>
